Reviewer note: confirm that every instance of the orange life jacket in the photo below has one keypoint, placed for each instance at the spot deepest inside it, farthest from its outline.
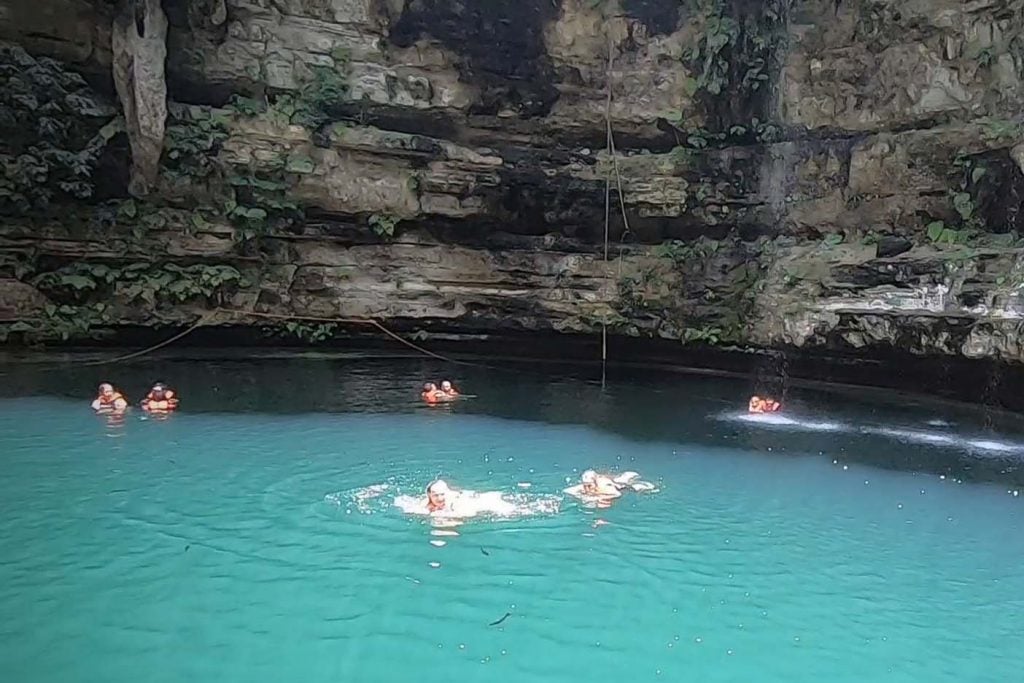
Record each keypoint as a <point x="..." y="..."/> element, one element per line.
<point x="110" y="402"/>
<point x="168" y="403"/>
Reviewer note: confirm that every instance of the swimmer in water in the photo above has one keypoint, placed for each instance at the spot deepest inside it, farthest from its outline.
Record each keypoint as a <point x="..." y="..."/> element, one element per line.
<point x="448" y="390"/>
<point x="598" y="485"/>
<point x="763" y="405"/>
<point x="160" y="399"/>
<point x="603" y="489"/>
<point x="430" y="393"/>
<point x="448" y="506"/>
<point x="439" y="496"/>
<point x="109" y="400"/>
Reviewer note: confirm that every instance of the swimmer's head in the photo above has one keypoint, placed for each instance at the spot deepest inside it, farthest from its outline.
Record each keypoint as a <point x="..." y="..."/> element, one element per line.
<point x="437" y="492"/>
<point x="106" y="389"/>
<point x="589" y="477"/>
<point x="428" y="386"/>
<point x="158" y="389"/>
<point x="446" y="385"/>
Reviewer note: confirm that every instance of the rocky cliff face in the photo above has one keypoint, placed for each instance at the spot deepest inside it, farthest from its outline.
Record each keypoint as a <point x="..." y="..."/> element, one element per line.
<point x="844" y="175"/>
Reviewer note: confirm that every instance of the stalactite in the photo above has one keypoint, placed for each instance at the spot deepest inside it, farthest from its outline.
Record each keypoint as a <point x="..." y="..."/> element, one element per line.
<point x="139" y="41"/>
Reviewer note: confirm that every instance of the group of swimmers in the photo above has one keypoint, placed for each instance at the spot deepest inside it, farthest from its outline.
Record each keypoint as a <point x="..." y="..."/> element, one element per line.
<point x="763" y="405"/>
<point x="432" y="394"/>
<point x="594" y="488"/>
<point x="159" y="400"/>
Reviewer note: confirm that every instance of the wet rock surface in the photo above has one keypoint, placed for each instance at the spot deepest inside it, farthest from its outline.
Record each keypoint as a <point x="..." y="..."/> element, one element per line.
<point x="837" y="177"/>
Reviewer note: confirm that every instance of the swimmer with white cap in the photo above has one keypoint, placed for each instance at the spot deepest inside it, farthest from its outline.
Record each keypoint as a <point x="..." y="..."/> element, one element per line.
<point x="438" y="494"/>
<point x="598" y="485"/>
<point x="604" y="488"/>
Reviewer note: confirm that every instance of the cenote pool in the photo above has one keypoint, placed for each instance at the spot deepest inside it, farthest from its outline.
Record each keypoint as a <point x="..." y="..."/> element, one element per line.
<point x="863" y="537"/>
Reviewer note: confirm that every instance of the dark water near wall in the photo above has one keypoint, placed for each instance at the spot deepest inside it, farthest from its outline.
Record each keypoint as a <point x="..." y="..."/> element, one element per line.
<point x="880" y="428"/>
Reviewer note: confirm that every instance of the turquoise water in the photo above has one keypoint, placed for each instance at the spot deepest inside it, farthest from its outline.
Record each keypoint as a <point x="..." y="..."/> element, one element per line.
<point x="235" y="542"/>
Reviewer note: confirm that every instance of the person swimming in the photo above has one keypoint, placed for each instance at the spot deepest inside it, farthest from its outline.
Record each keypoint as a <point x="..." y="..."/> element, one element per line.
<point x="448" y="390"/>
<point x="160" y="399"/>
<point x="443" y="501"/>
<point x="438" y="493"/>
<point x="763" y="405"/>
<point x="109" y="400"/>
<point x="598" y="485"/>
<point x="602" y="489"/>
<point x="431" y="394"/>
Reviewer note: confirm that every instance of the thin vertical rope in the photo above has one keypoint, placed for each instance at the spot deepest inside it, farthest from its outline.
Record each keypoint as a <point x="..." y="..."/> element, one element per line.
<point x="607" y="196"/>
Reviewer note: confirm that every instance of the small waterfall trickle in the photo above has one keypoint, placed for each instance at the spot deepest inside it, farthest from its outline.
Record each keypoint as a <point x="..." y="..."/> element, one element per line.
<point x="776" y="185"/>
<point x="990" y="395"/>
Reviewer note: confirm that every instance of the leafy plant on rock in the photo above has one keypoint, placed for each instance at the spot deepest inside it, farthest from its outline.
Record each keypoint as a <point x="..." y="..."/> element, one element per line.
<point x="192" y="142"/>
<point x="383" y="225"/>
<point x="259" y="202"/>
<point x="53" y="130"/>
<point x="710" y="56"/>
<point x="139" y="282"/>
<point x="704" y="335"/>
<point x="60" y="323"/>
<point x="311" y="333"/>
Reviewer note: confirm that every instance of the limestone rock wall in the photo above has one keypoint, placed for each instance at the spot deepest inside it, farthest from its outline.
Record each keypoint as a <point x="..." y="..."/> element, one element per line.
<point x="797" y="173"/>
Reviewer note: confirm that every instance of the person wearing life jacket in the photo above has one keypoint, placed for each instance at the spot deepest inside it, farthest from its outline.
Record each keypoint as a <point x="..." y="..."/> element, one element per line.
<point x="431" y="394"/>
<point x="109" y="400"/>
<point x="160" y="399"/>
<point x="448" y="390"/>
<point x="763" y="405"/>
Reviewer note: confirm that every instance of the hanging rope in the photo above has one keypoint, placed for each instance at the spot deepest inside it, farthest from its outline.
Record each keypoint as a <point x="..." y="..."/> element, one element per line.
<point x="203" y="320"/>
<point x="354" y="321"/>
<point x="607" y="199"/>
<point x="610" y="148"/>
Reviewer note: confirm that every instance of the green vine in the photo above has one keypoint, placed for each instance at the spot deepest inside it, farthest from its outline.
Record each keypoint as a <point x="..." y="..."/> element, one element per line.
<point x="60" y="323"/>
<point x="259" y="203"/>
<point x="192" y="143"/>
<point x="968" y="173"/>
<point x="710" y="55"/>
<point x="139" y="282"/>
<point x="313" y="105"/>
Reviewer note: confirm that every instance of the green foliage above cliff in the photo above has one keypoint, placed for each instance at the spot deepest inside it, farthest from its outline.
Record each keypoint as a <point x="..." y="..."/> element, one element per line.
<point x="52" y="132"/>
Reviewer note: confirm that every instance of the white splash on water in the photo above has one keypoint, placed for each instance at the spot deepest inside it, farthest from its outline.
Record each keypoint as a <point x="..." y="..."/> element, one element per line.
<point x="490" y="504"/>
<point x="913" y="435"/>
<point x="777" y="420"/>
<point x="905" y="435"/>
